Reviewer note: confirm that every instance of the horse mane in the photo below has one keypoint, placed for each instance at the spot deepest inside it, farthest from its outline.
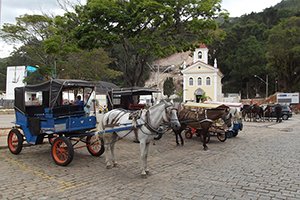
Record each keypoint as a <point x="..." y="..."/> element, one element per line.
<point x="160" y="103"/>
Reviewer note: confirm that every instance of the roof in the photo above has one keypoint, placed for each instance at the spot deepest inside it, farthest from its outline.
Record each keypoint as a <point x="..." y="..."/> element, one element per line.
<point x="103" y="86"/>
<point x="201" y="45"/>
<point x="53" y="89"/>
<point x="203" y="63"/>
<point x="225" y="103"/>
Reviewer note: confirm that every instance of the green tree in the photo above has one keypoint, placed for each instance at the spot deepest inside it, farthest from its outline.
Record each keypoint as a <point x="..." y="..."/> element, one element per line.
<point x="89" y="65"/>
<point x="48" y="44"/>
<point x="149" y="27"/>
<point x="31" y="31"/>
<point x="169" y="86"/>
<point x="283" y="52"/>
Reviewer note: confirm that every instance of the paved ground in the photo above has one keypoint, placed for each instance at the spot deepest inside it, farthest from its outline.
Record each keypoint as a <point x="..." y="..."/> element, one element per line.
<point x="262" y="162"/>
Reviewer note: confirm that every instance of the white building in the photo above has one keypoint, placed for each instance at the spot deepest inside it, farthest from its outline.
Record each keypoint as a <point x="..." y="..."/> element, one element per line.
<point x="14" y="78"/>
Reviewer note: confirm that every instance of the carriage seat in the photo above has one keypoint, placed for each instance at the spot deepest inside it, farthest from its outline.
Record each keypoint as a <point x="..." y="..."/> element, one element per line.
<point x="66" y="110"/>
<point x="119" y="106"/>
<point x="136" y="106"/>
<point x="32" y="110"/>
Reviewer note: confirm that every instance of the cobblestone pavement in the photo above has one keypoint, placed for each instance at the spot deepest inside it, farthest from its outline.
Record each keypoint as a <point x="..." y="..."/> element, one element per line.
<point x="262" y="162"/>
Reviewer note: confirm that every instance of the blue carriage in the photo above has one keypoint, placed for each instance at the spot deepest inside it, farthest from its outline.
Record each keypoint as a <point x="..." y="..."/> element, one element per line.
<point x="51" y="116"/>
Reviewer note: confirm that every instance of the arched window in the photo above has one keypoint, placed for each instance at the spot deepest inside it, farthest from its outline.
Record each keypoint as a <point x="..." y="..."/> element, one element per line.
<point x="199" y="54"/>
<point x="199" y="81"/>
<point x="208" y="81"/>
<point x="191" y="81"/>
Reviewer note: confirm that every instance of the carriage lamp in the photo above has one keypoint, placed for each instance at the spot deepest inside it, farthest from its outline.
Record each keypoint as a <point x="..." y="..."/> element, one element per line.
<point x="265" y="82"/>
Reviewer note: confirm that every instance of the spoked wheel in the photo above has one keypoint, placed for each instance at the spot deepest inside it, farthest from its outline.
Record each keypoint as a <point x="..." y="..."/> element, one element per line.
<point x="161" y="131"/>
<point x="189" y="134"/>
<point x="95" y="148"/>
<point x="158" y="136"/>
<point x="62" y="151"/>
<point x="51" y="138"/>
<point x="241" y="126"/>
<point x="207" y="137"/>
<point x="222" y="136"/>
<point x="15" y="141"/>
<point x="235" y="133"/>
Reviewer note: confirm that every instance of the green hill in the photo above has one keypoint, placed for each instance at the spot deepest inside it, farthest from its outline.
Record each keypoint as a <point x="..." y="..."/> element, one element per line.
<point x="293" y="5"/>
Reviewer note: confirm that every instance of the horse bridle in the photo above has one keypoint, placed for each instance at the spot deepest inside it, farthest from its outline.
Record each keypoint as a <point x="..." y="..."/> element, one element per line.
<point x="169" y="113"/>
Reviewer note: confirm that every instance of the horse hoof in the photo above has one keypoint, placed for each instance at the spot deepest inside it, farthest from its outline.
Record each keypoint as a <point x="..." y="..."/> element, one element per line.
<point x="143" y="175"/>
<point x="115" y="164"/>
<point x="205" y="148"/>
<point x="147" y="172"/>
<point x="108" y="166"/>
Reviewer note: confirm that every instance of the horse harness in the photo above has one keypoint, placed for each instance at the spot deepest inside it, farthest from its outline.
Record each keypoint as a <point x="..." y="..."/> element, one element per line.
<point x="201" y="120"/>
<point x="134" y="116"/>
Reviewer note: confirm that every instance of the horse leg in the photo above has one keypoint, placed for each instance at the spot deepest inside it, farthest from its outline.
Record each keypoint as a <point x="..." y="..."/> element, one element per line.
<point x="181" y="139"/>
<point x="143" y="157"/>
<point x="107" y="138"/>
<point x="146" y="157"/>
<point x="176" y="136"/>
<point x="205" y="132"/>
<point x="112" y="149"/>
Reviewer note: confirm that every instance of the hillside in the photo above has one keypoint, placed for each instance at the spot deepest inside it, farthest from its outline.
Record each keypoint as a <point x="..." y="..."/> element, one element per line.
<point x="293" y="5"/>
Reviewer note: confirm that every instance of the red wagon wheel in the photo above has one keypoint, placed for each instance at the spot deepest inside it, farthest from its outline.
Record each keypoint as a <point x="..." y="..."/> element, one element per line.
<point x="62" y="151"/>
<point x="222" y="136"/>
<point x="96" y="148"/>
<point x="207" y="137"/>
<point x="188" y="134"/>
<point x="15" y="141"/>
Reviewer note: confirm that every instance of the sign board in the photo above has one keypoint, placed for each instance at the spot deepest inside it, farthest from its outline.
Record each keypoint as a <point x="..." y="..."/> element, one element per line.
<point x="288" y="98"/>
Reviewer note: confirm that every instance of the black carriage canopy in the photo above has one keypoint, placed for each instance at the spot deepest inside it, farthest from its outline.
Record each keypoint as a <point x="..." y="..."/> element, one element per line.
<point x="104" y="87"/>
<point x="51" y="90"/>
<point x="126" y="94"/>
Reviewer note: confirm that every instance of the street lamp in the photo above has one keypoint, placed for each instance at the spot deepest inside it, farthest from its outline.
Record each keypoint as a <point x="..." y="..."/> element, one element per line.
<point x="158" y="75"/>
<point x="265" y="82"/>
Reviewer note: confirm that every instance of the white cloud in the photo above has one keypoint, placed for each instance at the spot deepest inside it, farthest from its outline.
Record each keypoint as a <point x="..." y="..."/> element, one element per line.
<point x="10" y="9"/>
<point x="238" y="8"/>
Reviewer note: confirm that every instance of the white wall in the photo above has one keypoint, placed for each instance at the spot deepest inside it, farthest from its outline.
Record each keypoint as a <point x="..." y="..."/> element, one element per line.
<point x="14" y="78"/>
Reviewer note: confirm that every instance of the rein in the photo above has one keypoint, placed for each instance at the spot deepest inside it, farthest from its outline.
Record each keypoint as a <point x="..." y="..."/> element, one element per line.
<point x="134" y="127"/>
<point x="150" y="128"/>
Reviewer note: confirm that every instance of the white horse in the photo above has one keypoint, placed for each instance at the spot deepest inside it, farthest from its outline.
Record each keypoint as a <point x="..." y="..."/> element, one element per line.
<point x="235" y="113"/>
<point x="144" y="129"/>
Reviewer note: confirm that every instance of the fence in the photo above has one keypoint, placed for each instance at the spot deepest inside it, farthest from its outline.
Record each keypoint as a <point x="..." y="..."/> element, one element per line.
<point x="6" y="103"/>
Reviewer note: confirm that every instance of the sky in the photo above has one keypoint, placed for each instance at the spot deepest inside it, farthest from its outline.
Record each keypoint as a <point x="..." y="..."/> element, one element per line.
<point x="10" y="9"/>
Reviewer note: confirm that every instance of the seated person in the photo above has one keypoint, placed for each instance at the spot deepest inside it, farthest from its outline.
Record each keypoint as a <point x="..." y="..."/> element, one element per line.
<point x="79" y="102"/>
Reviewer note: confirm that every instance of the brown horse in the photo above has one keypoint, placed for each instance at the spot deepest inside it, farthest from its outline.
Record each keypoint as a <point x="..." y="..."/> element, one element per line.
<point x="247" y="111"/>
<point x="252" y="111"/>
<point x="257" y="112"/>
<point x="202" y="120"/>
<point x="268" y="112"/>
<point x="278" y="110"/>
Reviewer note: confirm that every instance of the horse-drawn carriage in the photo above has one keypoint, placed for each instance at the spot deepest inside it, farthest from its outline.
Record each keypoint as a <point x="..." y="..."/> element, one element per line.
<point x="204" y="121"/>
<point x="66" y="125"/>
<point x="48" y="116"/>
<point x="217" y="128"/>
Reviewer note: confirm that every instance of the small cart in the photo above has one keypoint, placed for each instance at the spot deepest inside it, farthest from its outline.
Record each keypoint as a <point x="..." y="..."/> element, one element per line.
<point x="43" y="112"/>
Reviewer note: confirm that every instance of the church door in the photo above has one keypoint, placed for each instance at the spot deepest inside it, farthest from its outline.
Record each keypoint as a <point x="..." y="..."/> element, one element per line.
<point x="198" y="95"/>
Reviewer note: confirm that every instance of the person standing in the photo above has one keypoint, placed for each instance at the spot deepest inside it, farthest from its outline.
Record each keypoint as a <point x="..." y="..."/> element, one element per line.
<point x="87" y="107"/>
